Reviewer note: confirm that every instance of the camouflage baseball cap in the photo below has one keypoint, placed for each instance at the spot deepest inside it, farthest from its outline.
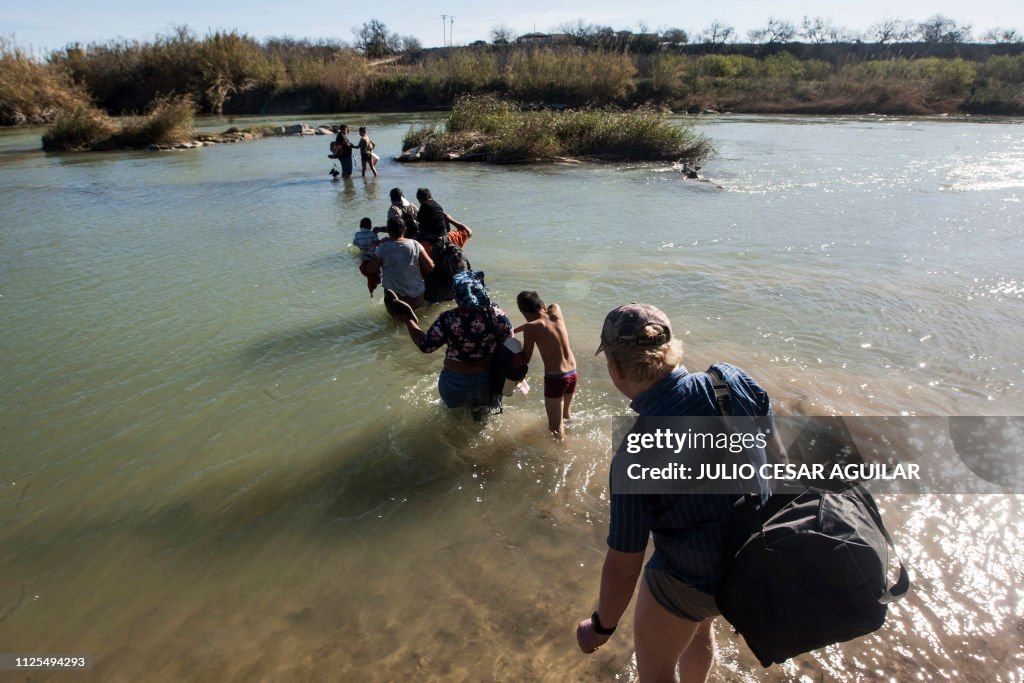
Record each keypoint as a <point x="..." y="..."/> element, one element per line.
<point x="623" y="325"/>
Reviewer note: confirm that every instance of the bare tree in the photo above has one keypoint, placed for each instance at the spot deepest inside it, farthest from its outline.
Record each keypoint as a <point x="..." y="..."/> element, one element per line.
<point x="890" y="30"/>
<point x="821" y="30"/>
<point x="373" y="39"/>
<point x="502" y="34"/>
<point x="775" y="31"/>
<point x="718" y="33"/>
<point x="411" y="44"/>
<point x="578" y="30"/>
<point x="1002" y="36"/>
<point x="942" y="29"/>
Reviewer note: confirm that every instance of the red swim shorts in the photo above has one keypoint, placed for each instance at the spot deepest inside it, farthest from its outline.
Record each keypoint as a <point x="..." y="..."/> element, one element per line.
<point x="559" y="384"/>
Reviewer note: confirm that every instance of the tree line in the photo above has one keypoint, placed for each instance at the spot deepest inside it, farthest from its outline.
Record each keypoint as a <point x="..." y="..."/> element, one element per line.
<point x="936" y="29"/>
<point x="227" y="72"/>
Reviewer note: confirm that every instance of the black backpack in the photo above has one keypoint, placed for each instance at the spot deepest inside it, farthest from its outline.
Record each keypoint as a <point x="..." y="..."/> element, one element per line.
<point x="412" y="226"/>
<point x="448" y="260"/>
<point x="807" y="570"/>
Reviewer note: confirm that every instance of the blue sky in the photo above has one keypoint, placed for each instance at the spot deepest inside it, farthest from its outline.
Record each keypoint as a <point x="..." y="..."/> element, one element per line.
<point x="49" y="24"/>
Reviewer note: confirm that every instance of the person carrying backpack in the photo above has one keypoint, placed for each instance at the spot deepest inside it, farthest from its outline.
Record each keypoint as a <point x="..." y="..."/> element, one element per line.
<point x="404" y="210"/>
<point x="446" y="250"/>
<point x="676" y="603"/>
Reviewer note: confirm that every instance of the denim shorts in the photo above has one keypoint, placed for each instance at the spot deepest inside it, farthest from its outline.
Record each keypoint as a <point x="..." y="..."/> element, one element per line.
<point x="460" y="389"/>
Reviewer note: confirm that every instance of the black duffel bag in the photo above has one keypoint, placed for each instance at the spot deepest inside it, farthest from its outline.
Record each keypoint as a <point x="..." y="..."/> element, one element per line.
<point x="806" y="571"/>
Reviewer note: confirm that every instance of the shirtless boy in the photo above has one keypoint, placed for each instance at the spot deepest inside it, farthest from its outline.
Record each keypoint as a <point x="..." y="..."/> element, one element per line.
<point x="545" y="329"/>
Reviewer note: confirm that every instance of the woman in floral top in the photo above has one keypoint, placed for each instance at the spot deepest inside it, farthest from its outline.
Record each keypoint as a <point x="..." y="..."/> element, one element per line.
<point x="472" y="332"/>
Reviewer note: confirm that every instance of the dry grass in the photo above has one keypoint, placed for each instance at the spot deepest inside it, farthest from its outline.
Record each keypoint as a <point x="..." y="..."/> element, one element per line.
<point x="486" y="128"/>
<point x="32" y="92"/>
<point x="170" y="121"/>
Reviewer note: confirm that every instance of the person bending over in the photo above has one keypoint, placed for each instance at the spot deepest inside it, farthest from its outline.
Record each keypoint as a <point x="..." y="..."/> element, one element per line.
<point x="545" y="330"/>
<point x="434" y="222"/>
<point x="471" y="332"/>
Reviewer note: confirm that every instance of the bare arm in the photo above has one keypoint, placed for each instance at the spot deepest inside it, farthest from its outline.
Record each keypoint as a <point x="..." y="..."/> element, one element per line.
<point x="415" y="332"/>
<point x="528" y="342"/>
<point x="618" y="581"/>
<point x="460" y="226"/>
<point x="426" y="263"/>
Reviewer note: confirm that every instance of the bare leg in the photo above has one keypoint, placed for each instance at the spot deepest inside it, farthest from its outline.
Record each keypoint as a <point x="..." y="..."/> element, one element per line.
<point x="373" y="166"/>
<point x="553" y="406"/>
<point x="418" y="302"/>
<point x="661" y="640"/>
<point x="697" y="658"/>
<point x="566" y="402"/>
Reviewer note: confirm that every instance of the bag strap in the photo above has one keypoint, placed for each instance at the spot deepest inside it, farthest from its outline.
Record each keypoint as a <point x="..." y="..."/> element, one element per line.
<point x="722" y="396"/>
<point x="902" y="586"/>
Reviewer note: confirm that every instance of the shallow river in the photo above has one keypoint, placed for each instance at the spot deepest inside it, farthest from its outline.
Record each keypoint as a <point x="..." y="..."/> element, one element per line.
<point x="220" y="460"/>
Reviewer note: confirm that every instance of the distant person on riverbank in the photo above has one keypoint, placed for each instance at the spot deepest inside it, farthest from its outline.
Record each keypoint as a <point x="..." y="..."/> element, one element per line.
<point x="545" y="330"/>
<point x="343" y="149"/>
<point x="404" y="210"/>
<point x="404" y="263"/>
<point x="676" y="604"/>
<point x="366" y="155"/>
<point x="472" y="332"/>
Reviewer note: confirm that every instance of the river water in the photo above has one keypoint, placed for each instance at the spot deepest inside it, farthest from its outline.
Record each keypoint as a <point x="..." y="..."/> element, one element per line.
<point x="220" y="460"/>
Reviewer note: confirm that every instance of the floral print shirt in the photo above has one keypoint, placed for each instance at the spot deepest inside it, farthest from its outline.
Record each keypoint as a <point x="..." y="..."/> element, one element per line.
<point x="470" y="333"/>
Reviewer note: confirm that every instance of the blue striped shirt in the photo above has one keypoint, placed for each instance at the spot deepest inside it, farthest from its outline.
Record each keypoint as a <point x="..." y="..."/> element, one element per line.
<point x="688" y="529"/>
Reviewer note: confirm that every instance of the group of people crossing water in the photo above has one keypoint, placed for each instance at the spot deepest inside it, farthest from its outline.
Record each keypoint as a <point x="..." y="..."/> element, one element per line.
<point x="421" y="261"/>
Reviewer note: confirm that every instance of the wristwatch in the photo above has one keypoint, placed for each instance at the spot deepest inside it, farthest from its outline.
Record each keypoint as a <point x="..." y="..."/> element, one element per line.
<point x="599" y="629"/>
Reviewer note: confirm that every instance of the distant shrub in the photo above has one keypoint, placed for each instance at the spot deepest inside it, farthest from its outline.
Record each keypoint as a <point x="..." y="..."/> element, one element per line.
<point x="171" y="120"/>
<point x="78" y="129"/>
<point x="32" y="92"/>
<point x="487" y="128"/>
<point x="486" y="114"/>
<point x="947" y="77"/>
<point x="416" y="136"/>
<point x="570" y="73"/>
<point x="1003" y="68"/>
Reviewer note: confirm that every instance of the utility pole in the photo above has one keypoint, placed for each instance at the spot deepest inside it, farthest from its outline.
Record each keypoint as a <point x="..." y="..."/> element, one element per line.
<point x="451" y="30"/>
<point x="444" y="21"/>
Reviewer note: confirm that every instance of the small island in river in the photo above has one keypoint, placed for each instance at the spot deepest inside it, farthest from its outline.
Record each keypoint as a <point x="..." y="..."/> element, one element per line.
<point x="488" y="128"/>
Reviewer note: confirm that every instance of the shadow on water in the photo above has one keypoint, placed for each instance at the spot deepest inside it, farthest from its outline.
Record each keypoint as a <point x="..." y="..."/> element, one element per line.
<point x="346" y="258"/>
<point x="325" y="336"/>
<point x="411" y="464"/>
